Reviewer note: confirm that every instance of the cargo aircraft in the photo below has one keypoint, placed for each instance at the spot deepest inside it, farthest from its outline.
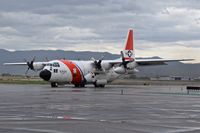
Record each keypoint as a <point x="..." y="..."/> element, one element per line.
<point x="96" y="72"/>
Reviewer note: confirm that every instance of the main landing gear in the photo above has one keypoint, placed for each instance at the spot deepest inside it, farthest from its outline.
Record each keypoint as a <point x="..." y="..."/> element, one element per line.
<point x="99" y="85"/>
<point x="54" y="84"/>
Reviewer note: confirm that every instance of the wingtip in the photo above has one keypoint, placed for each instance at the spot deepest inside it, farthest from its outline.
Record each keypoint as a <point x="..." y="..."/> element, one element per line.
<point x="187" y="59"/>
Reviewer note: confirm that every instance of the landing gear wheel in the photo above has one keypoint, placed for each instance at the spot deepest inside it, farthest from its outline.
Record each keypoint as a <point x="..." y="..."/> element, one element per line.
<point x="79" y="85"/>
<point x="102" y="86"/>
<point x="99" y="86"/>
<point x="95" y="85"/>
<point x="76" y="85"/>
<point x="54" y="84"/>
<point x="82" y="85"/>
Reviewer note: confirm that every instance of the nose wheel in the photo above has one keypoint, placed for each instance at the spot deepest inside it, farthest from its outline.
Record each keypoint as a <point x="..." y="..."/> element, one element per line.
<point x="54" y="84"/>
<point x="79" y="85"/>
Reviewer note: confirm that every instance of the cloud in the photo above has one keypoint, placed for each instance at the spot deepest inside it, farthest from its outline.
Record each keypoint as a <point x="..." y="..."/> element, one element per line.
<point x="66" y="32"/>
<point x="169" y="52"/>
<point x="8" y="30"/>
<point x="60" y="24"/>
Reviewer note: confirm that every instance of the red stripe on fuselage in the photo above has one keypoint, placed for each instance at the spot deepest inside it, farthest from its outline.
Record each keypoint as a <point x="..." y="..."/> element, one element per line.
<point x="129" y="59"/>
<point x="76" y="74"/>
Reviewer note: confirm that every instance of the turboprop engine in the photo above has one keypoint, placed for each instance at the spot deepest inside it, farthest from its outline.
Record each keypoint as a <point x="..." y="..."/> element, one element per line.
<point x="131" y="65"/>
<point x="106" y="65"/>
<point x="90" y="78"/>
<point x="120" y="70"/>
<point x="35" y="66"/>
<point x="128" y="68"/>
<point x="38" y="66"/>
<point x="101" y="82"/>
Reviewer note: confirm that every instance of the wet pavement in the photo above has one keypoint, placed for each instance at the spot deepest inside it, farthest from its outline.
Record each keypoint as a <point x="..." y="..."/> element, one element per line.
<point x="141" y="109"/>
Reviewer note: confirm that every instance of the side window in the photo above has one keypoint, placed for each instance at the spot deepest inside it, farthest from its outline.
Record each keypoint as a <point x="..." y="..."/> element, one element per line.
<point x="55" y="70"/>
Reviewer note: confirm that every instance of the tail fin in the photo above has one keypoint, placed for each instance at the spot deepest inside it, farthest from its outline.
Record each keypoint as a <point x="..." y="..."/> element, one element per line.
<point x="128" y="52"/>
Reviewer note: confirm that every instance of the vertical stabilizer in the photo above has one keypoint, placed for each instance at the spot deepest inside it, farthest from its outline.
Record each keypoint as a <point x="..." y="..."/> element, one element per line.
<point x="128" y="52"/>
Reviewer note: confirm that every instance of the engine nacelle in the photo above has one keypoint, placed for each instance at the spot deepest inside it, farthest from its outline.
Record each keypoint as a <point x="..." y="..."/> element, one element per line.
<point x="120" y="70"/>
<point x="38" y="66"/>
<point x="101" y="82"/>
<point x="90" y="78"/>
<point x="131" y="65"/>
<point x="106" y="65"/>
<point x="132" y="71"/>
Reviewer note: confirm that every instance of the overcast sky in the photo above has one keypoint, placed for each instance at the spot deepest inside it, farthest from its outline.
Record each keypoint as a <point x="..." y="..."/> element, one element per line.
<point x="165" y="28"/>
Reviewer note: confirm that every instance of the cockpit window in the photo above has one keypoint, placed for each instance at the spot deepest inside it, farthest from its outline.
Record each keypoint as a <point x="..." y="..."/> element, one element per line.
<point x="56" y="64"/>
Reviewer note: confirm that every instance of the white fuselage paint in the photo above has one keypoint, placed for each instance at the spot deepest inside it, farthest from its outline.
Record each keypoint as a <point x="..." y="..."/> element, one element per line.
<point x="63" y="74"/>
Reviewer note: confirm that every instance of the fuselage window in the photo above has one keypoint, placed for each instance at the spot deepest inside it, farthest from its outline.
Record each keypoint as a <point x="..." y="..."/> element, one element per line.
<point x="49" y="64"/>
<point x="55" y="70"/>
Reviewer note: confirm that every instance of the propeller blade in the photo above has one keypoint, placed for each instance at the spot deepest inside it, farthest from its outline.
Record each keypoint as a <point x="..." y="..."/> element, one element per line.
<point x="29" y="64"/>
<point x="122" y="54"/>
<point x="27" y="71"/>
<point x="46" y="58"/>
<point x="124" y="63"/>
<point x="102" y="57"/>
<point x="97" y="63"/>
<point x="33" y="59"/>
<point x="25" y="60"/>
<point x="93" y="59"/>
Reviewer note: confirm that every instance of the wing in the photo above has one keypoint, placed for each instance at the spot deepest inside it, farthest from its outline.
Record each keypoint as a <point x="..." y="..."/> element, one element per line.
<point x="19" y="64"/>
<point x="32" y="65"/>
<point x="147" y="62"/>
<point x="23" y="63"/>
<point x="114" y="62"/>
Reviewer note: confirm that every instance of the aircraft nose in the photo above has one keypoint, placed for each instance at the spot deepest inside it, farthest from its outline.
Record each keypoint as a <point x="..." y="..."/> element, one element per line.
<point x="45" y="74"/>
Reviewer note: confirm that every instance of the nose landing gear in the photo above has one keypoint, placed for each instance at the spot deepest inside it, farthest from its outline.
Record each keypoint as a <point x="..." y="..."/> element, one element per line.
<point x="54" y="84"/>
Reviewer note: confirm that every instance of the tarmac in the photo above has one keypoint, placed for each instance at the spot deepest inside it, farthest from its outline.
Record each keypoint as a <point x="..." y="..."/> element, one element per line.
<point x="114" y="109"/>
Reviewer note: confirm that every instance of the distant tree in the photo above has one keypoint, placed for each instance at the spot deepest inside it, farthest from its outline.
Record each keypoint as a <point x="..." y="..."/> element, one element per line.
<point x="6" y="74"/>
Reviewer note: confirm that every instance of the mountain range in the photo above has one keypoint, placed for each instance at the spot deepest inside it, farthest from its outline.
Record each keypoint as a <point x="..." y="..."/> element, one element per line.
<point x="172" y="69"/>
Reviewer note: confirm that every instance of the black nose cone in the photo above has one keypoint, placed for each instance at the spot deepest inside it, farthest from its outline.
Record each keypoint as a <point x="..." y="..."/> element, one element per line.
<point x="45" y="74"/>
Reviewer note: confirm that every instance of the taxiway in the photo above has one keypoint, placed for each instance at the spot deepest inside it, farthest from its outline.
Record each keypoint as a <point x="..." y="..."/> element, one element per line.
<point x="141" y="109"/>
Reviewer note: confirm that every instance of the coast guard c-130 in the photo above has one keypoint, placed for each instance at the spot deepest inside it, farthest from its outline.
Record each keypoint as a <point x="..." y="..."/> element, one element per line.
<point x="96" y="72"/>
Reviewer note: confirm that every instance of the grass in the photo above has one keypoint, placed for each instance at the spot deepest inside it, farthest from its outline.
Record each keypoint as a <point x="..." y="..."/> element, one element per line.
<point x="21" y="80"/>
<point x="37" y="80"/>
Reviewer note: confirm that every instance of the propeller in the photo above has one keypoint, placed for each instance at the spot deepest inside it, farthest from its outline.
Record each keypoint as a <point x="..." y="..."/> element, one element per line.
<point x="30" y="65"/>
<point x="97" y="63"/>
<point x="124" y="63"/>
<point x="46" y="58"/>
